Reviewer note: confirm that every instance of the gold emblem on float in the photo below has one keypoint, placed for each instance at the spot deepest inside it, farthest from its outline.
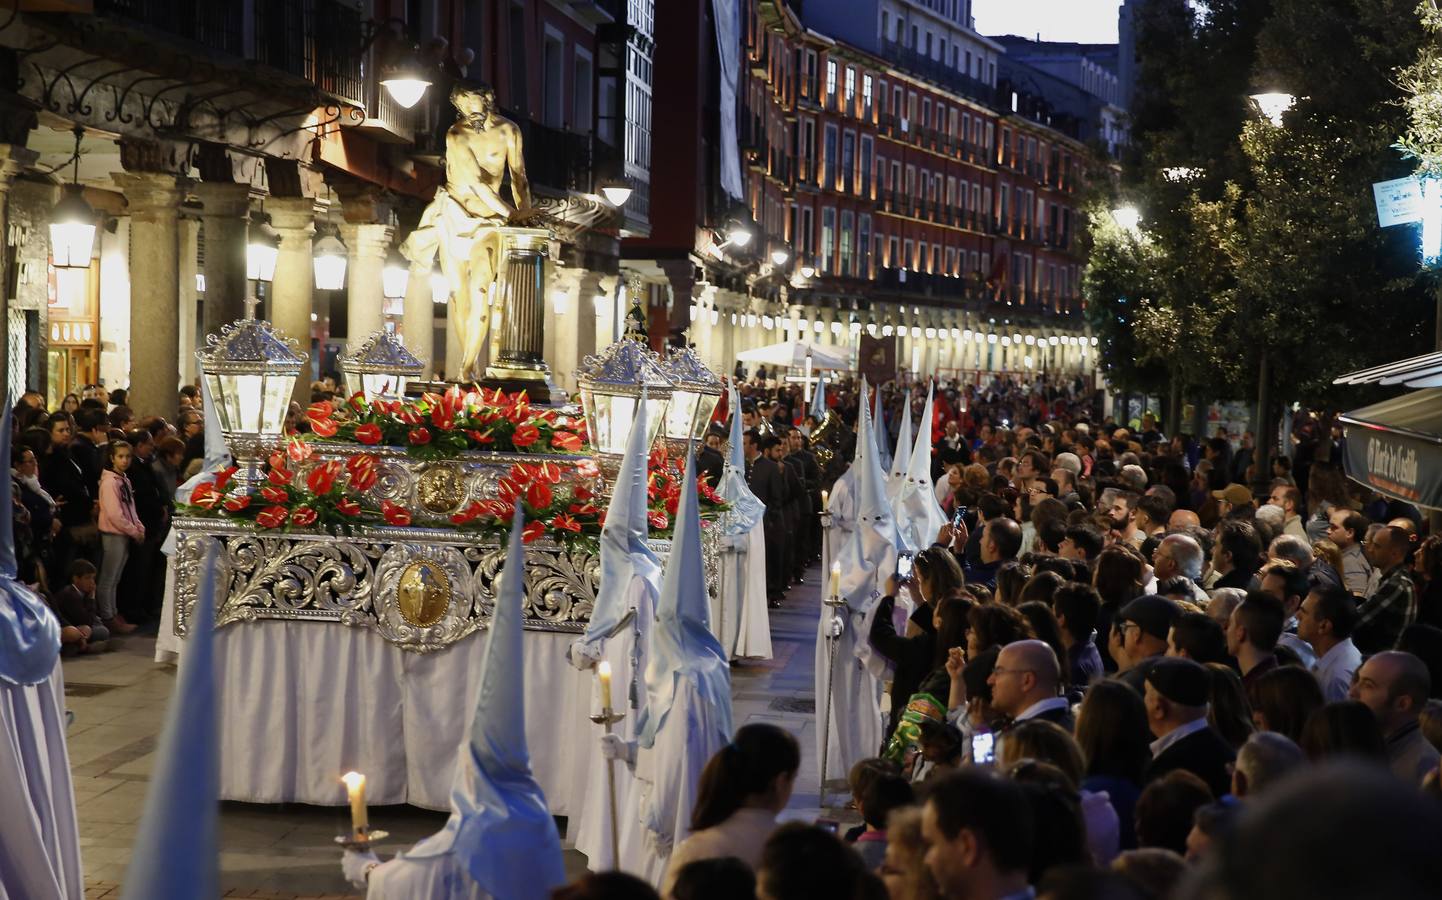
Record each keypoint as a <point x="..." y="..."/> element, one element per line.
<point x="440" y="489"/>
<point x="423" y="594"/>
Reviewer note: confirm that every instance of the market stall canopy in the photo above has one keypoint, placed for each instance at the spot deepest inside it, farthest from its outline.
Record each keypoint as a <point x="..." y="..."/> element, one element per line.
<point x="794" y="353"/>
<point x="1395" y="447"/>
<point x="1423" y="371"/>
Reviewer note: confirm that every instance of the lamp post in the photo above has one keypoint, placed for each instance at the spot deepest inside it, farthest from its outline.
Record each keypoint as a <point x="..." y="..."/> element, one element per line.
<point x="251" y="371"/>
<point x="381" y="365"/>
<point x="693" y="399"/>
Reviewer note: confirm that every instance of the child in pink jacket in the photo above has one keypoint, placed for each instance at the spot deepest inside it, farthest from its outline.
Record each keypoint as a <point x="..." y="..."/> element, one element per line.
<point x="119" y="525"/>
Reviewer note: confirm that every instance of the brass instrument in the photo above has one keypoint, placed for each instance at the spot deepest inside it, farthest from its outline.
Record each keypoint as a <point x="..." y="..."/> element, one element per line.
<point x="828" y="438"/>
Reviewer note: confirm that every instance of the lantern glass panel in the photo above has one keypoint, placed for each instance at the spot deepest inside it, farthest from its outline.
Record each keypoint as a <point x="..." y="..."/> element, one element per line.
<point x="260" y="260"/>
<point x="71" y="244"/>
<point x="330" y="272"/>
<point x="383" y="385"/>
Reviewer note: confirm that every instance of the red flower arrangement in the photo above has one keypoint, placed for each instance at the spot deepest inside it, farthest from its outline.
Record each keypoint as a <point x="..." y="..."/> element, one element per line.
<point x="557" y="498"/>
<point x="441" y="426"/>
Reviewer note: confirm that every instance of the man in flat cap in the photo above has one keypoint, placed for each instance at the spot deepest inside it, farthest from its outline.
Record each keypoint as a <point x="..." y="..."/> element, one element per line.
<point x="1140" y="636"/>
<point x="1177" y="694"/>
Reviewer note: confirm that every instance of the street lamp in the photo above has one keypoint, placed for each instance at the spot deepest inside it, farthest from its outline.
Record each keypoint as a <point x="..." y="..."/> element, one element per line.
<point x="779" y="256"/>
<point x="738" y="235"/>
<point x="329" y="263"/>
<point x="72" y="222"/>
<point x="262" y="248"/>
<point x="1274" y="105"/>
<point x="694" y="396"/>
<point x="251" y="370"/>
<point x="808" y="271"/>
<point x="406" y="81"/>
<point x="616" y="191"/>
<point x="381" y="365"/>
<point x="1128" y="217"/>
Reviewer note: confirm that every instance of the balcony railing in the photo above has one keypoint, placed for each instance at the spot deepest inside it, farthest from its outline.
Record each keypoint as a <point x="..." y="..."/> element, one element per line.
<point x="939" y="72"/>
<point x="216" y="25"/>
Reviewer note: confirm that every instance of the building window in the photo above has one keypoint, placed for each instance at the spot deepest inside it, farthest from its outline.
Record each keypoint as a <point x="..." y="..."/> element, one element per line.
<point x="828" y="239"/>
<point x="893" y="258"/>
<point x="581" y="115"/>
<point x="828" y="159"/>
<point x="866" y="97"/>
<point x="925" y="121"/>
<point x="831" y="79"/>
<point x="846" y="237"/>
<point x="806" y="157"/>
<point x="866" y="145"/>
<point x="885" y="25"/>
<point x="553" y="52"/>
<point x="848" y="162"/>
<point x="850" y="90"/>
<point x="863" y="246"/>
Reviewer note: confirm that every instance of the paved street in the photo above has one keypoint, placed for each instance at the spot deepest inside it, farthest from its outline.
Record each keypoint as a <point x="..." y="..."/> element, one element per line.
<point x="286" y="851"/>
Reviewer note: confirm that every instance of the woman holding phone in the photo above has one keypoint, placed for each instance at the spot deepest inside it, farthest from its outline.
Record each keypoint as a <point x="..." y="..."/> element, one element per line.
<point x="935" y="574"/>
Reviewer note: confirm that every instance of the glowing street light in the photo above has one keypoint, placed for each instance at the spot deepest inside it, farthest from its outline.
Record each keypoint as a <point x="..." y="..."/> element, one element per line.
<point x="1128" y="217"/>
<point x="1274" y="105"/>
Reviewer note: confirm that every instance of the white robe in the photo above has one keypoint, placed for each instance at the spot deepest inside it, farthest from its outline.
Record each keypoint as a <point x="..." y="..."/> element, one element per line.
<point x="593" y="824"/>
<point x="435" y="878"/>
<point x="667" y="777"/>
<point x="39" y="837"/>
<point x="738" y="612"/>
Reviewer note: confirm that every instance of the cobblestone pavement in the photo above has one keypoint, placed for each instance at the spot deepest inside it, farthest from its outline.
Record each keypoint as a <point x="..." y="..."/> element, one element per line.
<point x="288" y="851"/>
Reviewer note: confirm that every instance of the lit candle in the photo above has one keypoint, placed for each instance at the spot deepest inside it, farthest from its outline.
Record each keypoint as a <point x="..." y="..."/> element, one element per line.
<point x="603" y="672"/>
<point x="835" y="579"/>
<point x="355" y="788"/>
<point x="825" y="501"/>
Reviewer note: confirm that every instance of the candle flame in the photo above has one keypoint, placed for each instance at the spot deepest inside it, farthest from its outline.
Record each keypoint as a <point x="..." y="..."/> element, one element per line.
<point x="353" y="780"/>
<point x="604" y="668"/>
<point x="836" y="568"/>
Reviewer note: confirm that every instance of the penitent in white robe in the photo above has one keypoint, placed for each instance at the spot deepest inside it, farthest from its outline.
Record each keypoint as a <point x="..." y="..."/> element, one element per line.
<point x="434" y="877"/>
<point x="668" y="775"/>
<point x="39" y="838"/>
<point x="626" y="652"/>
<point x="738" y="612"/>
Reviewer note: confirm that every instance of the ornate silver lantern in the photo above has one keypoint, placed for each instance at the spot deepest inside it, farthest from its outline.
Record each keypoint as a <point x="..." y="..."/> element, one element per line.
<point x="380" y="367"/>
<point x="613" y="385"/>
<point x="251" y="371"/>
<point x="693" y="399"/>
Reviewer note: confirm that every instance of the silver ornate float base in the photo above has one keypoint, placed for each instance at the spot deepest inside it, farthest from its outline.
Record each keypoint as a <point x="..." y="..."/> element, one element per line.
<point x="422" y="589"/>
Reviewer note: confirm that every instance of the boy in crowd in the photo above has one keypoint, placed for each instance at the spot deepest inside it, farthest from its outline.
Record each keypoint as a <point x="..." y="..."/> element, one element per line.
<point x="81" y="629"/>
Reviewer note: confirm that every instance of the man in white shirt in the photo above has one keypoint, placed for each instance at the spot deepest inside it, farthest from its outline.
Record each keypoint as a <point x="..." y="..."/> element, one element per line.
<point x="1325" y="620"/>
<point x="1024" y="684"/>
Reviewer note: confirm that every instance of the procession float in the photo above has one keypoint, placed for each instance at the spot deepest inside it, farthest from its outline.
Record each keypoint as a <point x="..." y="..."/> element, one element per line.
<point x="360" y="554"/>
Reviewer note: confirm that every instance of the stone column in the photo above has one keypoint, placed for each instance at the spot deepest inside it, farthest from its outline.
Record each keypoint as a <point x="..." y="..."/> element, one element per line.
<point x="225" y="206"/>
<point x="154" y="205"/>
<point x="418" y="317"/>
<point x="13" y="160"/>
<point x="293" y="218"/>
<point x="366" y="249"/>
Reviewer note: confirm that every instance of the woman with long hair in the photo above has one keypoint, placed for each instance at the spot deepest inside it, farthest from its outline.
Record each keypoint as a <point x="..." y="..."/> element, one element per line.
<point x="1118" y="580"/>
<point x="1326" y="489"/>
<point x="742" y="789"/>
<point x="1115" y="741"/>
<point x="938" y="578"/>
<point x="1284" y="699"/>
<point x="1347" y="728"/>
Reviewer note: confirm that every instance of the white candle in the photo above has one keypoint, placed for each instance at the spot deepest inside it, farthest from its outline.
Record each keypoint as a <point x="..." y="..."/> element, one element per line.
<point x="355" y="788"/>
<point x="835" y="579"/>
<point x="825" y="501"/>
<point x="603" y="672"/>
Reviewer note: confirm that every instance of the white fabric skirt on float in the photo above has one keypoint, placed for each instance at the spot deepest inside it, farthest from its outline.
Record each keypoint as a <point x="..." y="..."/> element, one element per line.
<point x="303" y="702"/>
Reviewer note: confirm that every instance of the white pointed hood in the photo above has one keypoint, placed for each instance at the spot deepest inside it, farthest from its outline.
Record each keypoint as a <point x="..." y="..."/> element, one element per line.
<point x="625" y="554"/>
<point x="878" y="430"/>
<point x="918" y="513"/>
<point x="896" y="477"/>
<point x="818" y="400"/>
<point x="868" y="555"/>
<point x="746" y="510"/>
<point x="177" y="848"/>
<point x="683" y="646"/>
